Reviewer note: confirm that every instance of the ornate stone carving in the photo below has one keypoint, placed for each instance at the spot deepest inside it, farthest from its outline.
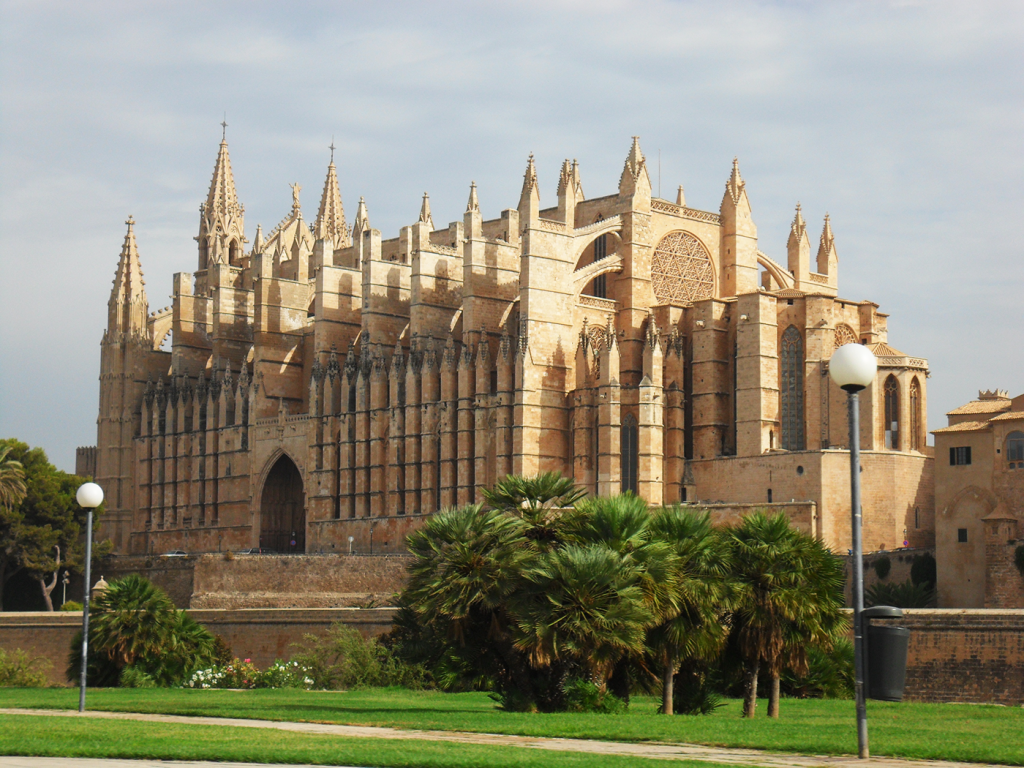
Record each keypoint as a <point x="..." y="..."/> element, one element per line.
<point x="844" y="334"/>
<point x="681" y="269"/>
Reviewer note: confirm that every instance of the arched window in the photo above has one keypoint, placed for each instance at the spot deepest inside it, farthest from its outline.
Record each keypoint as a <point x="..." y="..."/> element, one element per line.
<point x="791" y="359"/>
<point x="628" y="456"/>
<point x="1015" y="450"/>
<point x="915" y="415"/>
<point x="891" y="392"/>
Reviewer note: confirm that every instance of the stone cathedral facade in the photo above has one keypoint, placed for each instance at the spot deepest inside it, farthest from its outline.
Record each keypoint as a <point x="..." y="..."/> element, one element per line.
<point x="321" y="388"/>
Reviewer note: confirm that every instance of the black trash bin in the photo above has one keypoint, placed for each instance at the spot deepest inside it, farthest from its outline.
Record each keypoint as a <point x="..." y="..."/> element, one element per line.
<point x="886" y="654"/>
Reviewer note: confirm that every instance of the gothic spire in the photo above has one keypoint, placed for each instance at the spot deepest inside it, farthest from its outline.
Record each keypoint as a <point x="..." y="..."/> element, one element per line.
<point x="330" y="219"/>
<point x="827" y="259"/>
<point x="362" y="222"/>
<point x="529" y="183"/>
<point x="128" y="308"/>
<point x="735" y="186"/>
<point x="474" y="204"/>
<point x="634" y="171"/>
<point x="222" y="197"/>
<point x="257" y="242"/>
<point x="425" y="217"/>
<point x="222" y="219"/>
<point x="798" y="228"/>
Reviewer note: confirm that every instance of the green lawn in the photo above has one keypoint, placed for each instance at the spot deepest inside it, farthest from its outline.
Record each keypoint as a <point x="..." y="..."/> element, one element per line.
<point x="66" y="737"/>
<point x="928" y="731"/>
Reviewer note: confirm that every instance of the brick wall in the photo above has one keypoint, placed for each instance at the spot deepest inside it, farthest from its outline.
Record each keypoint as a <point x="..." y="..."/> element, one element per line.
<point x="260" y="635"/>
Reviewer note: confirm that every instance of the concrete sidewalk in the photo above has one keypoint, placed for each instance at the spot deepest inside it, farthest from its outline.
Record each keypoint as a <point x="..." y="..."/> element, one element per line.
<point x="731" y="756"/>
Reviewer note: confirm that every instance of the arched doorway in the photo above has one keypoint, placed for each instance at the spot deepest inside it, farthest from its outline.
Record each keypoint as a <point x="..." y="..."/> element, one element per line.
<point x="282" y="509"/>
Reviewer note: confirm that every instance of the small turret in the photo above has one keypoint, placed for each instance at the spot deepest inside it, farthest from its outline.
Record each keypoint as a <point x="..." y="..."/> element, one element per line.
<point x="798" y="248"/>
<point x="739" y="238"/>
<point x="529" y="199"/>
<point x="828" y="259"/>
<point x="425" y="217"/>
<point x="634" y="181"/>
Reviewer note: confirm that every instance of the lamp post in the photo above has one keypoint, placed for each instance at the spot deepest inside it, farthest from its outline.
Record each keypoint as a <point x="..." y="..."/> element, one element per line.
<point x="89" y="496"/>
<point x="853" y="367"/>
<point x="65" y="581"/>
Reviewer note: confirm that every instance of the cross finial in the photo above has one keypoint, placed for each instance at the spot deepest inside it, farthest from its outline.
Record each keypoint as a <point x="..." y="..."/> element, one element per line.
<point x="224" y="128"/>
<point x="131" y="221"/>
<point x="332" y="150"/>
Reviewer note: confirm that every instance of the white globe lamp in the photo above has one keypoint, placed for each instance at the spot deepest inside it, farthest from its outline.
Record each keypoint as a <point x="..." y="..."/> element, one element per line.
<point x="853" y="367"/>
<point x="89" y="495"/>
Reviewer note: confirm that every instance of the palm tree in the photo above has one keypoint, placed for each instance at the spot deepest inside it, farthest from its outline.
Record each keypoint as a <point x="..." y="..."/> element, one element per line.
<point x="622" y="524"/>
<point x="467" y="564"/>
<point x="12" y="480"/>
<point x="135" y="624"/>
<point x="694" y="632"/>
<point x="584" y="604"/>
<point x="788" y="597"/>
<point x="538" y="500"/>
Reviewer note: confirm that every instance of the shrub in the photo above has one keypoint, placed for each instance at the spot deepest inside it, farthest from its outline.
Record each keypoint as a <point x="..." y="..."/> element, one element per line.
<point x="134" y="624"/>
<point x="17" y="670"/>
<point x="882" y="566"/>
<point x="71" y="605"/>
<point x="345" y="659"/>
<point x="830" y="675"/>
<point x="694" y="693"/>
<point x="584" y="696"/>
<point x="244" y="674"/>
<point x="903" y="595"/>
<point x="131" y="677"/>
<point x="923" y="570"/>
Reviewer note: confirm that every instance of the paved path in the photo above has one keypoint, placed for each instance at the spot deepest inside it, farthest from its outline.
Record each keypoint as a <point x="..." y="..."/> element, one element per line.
<point x="731" y="756"/>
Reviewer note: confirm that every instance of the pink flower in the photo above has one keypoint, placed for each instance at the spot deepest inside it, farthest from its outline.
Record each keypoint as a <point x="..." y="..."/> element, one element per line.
<point x="248" y="660"/>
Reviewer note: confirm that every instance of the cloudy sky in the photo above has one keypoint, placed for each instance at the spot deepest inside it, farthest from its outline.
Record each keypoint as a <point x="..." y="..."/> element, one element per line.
<point x="902" y="119"/>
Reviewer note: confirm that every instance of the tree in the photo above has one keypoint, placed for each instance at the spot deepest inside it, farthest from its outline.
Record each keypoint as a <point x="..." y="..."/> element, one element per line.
<point x="693" y="633"/>
<point x="12" y="479"/>
<point x="788" y="597"/>
<point x="46" y="518"/>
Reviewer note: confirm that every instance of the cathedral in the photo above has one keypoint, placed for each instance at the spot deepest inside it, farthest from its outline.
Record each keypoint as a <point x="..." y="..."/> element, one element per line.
<point x="321" y="388"/>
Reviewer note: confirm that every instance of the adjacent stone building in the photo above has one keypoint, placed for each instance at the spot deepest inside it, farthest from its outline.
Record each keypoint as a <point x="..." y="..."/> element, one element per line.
<point x="979" y="502"/>
<point x="321" y="388"/>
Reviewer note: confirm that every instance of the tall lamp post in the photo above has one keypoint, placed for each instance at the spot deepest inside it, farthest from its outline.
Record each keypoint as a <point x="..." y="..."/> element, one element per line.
<point x="89" y="496"/>
<point x="853" y="367"/>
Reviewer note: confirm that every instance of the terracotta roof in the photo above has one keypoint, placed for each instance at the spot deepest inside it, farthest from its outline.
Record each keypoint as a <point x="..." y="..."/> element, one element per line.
<point x="881" y="349"/>
<point x="981" y="406"/>
<point x="964" y="426"/>
<point x="1008" y="416"/>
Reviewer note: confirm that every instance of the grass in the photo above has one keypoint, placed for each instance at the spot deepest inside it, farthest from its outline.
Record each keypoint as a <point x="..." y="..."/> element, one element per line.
<point x="67" y="737"/>
<point x="960" y="732"/>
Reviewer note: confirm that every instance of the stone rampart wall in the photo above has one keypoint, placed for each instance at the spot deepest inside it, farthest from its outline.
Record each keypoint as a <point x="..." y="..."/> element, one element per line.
<point x="328" y="581"/>
<point x="964" y="655"/>
<point x="260" y="635"/>
<point x="955" y="655"/>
